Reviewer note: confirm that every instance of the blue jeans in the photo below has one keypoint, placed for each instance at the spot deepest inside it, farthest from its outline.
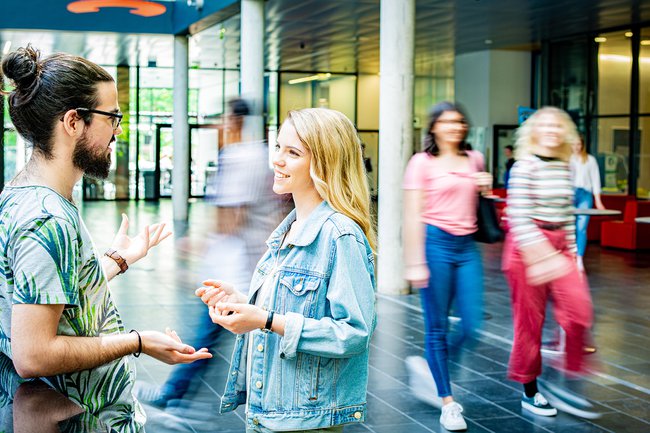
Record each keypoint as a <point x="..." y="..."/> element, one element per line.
<point x="583" y="200"/>
<point x="181" y="377"/>
<point x="456" y="272"/>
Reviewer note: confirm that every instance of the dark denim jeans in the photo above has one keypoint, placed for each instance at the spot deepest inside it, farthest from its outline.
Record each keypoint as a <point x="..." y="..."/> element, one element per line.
<point x="583" y="200"/>
<point x="456" y="273"/>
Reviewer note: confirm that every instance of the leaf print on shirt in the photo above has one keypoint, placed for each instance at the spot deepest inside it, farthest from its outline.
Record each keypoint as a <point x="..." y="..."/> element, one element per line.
<point x="54" y="237"/>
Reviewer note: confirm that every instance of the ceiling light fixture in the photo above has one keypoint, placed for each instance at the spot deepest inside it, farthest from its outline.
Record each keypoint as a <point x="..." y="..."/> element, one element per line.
<point x="645" y="42"/>
<point x="319" y="77"/>
<point x="629" y="34"/>
<point x="198" y="4"/>
<point x="600" y="39"/>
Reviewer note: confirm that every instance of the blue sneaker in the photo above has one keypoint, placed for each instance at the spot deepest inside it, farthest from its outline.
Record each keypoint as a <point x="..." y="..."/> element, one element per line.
<point x="538" y="405"/>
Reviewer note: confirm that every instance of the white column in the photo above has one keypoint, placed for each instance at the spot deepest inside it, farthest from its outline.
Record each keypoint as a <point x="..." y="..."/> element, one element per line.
<point x="397" y="28"/>
<point x="181" y="170"/>
<point x="252" y="65"/>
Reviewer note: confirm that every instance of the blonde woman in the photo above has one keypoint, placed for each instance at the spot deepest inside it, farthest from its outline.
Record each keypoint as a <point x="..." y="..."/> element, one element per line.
<point x="539" y="257"/>
<point x="586" y="184"/>
<point x="301" y="362"/>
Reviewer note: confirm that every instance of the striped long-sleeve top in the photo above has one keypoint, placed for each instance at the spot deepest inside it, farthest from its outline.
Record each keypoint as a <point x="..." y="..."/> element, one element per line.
<point x="540" y="189"/>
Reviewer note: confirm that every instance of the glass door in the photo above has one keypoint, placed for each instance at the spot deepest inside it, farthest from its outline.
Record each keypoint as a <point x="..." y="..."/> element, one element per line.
<point x="156" y="181"/>
<point x="162" y="181"/>
<point x="204" y="145"/>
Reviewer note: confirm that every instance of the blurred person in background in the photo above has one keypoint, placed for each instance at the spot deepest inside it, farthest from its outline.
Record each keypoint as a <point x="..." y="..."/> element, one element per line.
<point x="508" y="152"/>
<point x="586" y="184"/>
<point x="301" y="361"/>
<point x="58" y="320"/>
<point x="539" y="255"/>
<point x="245" y="211"/>
<point x="441" y="188"/>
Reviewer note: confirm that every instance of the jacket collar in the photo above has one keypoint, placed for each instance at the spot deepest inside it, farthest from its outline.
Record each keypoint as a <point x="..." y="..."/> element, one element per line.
<point x="308" y="231"/>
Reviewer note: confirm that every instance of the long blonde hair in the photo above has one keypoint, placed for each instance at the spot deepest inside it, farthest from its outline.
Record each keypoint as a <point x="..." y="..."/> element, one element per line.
<point x="526" y="143"/>
<point x="337" y="167"/>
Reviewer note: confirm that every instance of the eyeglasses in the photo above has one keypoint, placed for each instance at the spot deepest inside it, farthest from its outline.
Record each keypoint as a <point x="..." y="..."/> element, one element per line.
<point x="461" y="122"/>
<point x="116" y="118"/>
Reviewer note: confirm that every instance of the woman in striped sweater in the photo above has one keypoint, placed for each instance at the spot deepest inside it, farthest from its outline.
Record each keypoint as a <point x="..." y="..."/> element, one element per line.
<point x="539" y="257"/>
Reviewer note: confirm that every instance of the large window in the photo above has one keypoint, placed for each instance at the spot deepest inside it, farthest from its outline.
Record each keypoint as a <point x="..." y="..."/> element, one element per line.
<point x="568" y="76"/>
<point x="305" y="90"/>
<point x="593" y="78"/>
<point x="614" y="78"/>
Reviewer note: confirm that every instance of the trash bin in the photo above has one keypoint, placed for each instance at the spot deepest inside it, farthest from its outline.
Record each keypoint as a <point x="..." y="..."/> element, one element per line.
<point x="149" y="178"/>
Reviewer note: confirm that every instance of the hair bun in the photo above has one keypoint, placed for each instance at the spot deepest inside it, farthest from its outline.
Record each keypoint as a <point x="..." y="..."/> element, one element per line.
<point x="22" y="67"/>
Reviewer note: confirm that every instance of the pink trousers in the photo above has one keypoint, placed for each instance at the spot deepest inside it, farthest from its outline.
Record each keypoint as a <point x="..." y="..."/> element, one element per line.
<point x="571" y="305"/>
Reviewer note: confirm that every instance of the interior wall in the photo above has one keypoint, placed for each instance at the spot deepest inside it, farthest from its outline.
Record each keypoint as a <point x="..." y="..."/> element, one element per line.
<point x="491" y="85"/>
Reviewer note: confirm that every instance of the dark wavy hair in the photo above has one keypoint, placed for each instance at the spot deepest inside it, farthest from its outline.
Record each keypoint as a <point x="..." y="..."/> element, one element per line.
<point x="429" y="143"/>
<point x="45" y="89"/>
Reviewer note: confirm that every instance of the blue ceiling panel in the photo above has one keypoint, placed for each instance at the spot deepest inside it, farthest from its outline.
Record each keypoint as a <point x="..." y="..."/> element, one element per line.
<point x="54" y="15"/>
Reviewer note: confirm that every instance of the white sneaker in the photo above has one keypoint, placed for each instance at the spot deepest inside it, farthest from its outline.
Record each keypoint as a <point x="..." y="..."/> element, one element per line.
<point x="451" y="417"/>
<point x="538" y="405"/>
<point x="421" y="381"/>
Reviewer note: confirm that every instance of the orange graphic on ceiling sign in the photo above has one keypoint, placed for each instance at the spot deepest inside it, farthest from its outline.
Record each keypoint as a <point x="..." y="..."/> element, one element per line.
<point x="138" y="7"/>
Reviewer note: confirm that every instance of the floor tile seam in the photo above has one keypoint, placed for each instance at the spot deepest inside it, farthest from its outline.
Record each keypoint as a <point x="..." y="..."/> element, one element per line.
<point x="627" y="332"/>
<point x="614" y="352"/>
<point x="514" y="414"/>
<point x="373" y="345"/>
<point x="622" y="367"/>
<point x="386" y="374"/>
<point x="407" y="415"/>
<point x="453" y="362"/>
<point x="628" y="344"/>
<point x="624" y="382"/>
<point x="615" y="410"/>
<point x="509" y="342"/>
<point x="486" y="377"/>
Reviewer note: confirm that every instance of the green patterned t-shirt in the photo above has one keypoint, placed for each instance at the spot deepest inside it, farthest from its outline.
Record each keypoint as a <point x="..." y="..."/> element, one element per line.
<point x="48" y="257"/>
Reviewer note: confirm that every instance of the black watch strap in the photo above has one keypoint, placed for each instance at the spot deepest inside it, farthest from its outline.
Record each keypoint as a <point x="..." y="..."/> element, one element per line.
<point x="269" y="321"/>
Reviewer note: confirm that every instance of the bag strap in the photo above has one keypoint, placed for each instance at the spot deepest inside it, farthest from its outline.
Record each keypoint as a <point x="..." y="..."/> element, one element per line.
<point x="475" y="160"/>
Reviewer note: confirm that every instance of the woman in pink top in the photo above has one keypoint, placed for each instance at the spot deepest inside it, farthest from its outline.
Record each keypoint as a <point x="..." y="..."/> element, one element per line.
<point x="441" y="188"/>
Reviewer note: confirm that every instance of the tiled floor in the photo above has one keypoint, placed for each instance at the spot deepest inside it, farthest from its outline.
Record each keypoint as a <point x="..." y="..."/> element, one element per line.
<point x="158" y="292"/>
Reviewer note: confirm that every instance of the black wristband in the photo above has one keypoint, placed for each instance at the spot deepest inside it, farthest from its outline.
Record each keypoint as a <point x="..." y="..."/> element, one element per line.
<point x="137" y="354"/>
<point x="269" y="321"/>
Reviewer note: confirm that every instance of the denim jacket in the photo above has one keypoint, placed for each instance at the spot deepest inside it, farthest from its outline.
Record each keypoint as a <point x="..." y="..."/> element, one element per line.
<point x="316" y="375"/>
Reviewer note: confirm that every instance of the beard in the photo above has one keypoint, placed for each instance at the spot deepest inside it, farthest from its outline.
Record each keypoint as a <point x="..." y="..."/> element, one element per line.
<point x="93" y="163"/>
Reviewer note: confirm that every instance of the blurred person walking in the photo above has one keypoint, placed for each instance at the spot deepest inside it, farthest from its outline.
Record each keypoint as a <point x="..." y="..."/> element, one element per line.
<point x="508" y="152"/>
<point x="58" y="320"/>
<point x="301" y="360"/>
<point x="586" y="184"/>
<point x="539" y="257"/>
<point x="245" y="211"/>
<point x="441" y="187"/>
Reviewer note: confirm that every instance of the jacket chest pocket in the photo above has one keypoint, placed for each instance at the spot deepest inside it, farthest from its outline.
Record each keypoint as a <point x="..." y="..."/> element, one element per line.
<point x="257" y="280"/>
<point x="298" y="293"/>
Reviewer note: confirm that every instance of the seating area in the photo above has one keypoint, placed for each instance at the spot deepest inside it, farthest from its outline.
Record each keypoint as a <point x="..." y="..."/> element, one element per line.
<point x="611" y="201"/>
<point x="627" y="234"/>
<point x="618" y="231"/>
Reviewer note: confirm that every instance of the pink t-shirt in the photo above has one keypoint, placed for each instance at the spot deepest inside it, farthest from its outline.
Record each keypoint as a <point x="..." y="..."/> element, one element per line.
<point x="450" y="198"/>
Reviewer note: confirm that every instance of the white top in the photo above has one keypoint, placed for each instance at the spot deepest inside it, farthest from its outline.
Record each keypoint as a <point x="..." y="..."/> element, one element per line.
<point x="585" y="175"/>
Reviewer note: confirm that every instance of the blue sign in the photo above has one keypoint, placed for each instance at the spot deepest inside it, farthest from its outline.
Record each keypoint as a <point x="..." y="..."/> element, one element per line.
<point x="524" y="113"/>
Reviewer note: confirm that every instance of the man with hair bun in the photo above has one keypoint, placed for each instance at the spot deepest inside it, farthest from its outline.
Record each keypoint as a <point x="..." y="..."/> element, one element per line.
<point x="57" y="318"/>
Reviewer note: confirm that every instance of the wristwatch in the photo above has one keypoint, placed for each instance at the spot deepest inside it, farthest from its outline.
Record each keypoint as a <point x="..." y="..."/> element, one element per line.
<point x="118" y="259"/>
